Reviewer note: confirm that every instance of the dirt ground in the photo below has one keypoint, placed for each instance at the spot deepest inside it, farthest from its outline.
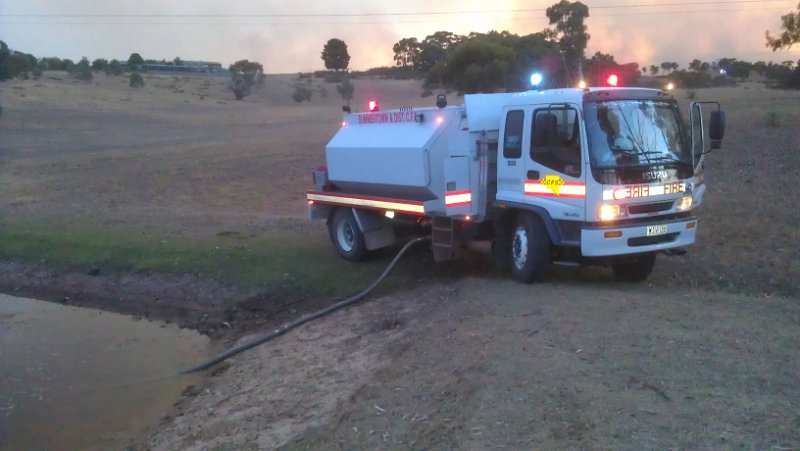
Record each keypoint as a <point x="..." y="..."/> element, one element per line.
<point x="701" y="356"/>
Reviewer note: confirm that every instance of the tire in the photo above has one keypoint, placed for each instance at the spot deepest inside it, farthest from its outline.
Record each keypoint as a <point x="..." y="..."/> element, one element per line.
<point x="346" y="236"/>
<point x="530" y="249"/>
<point x="636" y="270"/>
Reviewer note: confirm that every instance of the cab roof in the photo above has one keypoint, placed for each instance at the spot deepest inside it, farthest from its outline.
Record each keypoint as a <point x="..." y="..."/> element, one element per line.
<point x="485" y="111"/>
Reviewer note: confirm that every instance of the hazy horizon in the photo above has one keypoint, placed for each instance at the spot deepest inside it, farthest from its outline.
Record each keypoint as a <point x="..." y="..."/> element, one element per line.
<point x="289" y="38"/>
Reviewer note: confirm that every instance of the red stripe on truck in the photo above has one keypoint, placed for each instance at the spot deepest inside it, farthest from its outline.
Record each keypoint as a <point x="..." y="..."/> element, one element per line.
<point x="458" y="198"/>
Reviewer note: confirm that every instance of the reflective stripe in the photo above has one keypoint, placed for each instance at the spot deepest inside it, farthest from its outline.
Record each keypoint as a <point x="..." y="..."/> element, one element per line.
<point x="458" y="198"/>
<point x="405" y="206"/>
<point x="572" y="190"/>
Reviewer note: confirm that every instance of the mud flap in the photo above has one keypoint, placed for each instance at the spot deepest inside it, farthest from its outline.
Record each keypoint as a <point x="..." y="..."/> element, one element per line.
<point x="378" y="231"/>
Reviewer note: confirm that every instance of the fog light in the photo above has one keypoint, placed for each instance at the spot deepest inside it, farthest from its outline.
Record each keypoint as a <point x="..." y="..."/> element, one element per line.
<point x="613" y="234"/>
<point x="684" y="203"/>
<point x="608" y="212"/>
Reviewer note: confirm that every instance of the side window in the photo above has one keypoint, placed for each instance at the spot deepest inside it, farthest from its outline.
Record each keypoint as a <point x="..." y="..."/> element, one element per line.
<point x="556" y="140"/>
<point x="512" y="141"/>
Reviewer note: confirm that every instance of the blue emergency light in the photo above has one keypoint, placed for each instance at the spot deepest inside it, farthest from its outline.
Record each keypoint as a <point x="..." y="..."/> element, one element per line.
<point x="536" y="79"/>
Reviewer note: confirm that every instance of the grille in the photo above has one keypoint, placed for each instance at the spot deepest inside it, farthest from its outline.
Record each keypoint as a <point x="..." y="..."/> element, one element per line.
<point x="649" y="208"/>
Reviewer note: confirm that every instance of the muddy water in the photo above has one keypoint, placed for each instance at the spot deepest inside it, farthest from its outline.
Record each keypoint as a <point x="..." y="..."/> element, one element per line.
<point x="75" y="378"/>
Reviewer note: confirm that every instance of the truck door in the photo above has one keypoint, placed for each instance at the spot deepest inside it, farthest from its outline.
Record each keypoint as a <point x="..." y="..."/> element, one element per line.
<point x="510" y="155"/>
<point x="555" y="175"/>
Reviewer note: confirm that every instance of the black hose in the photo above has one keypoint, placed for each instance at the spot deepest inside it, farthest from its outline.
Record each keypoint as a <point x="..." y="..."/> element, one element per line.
<point x="303" y="319"/>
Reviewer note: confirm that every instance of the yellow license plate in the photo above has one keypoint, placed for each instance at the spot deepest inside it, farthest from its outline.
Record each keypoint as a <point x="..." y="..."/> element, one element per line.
<point x="656" y="230"/>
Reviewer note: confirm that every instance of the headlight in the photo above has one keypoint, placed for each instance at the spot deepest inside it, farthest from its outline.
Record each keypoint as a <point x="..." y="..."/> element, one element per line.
<point x="684" y="203"/>
<point x="608" y="212"/>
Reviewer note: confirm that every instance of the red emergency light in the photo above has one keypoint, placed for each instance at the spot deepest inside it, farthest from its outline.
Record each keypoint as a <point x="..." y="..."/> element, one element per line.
<point x="373" y="106"/>
<point x="613" y="80"/>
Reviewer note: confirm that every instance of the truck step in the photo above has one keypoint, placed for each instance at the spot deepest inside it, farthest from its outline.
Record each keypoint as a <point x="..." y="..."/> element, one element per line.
<point x="567" y="264"/>
<point x="443" y="239"/>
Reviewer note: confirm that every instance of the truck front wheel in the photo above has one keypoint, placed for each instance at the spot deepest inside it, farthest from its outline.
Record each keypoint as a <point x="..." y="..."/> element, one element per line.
<point x="346" y="236"/>
<point x="636" y="270"/>
<point x="530" y="249"/>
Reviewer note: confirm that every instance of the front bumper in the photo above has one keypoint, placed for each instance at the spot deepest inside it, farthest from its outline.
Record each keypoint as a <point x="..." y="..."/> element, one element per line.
<point x="634" y="239"/>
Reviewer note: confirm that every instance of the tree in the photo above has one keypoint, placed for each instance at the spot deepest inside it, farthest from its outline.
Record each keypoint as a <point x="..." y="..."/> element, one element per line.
<point x="21" y="64"/>
<point x="244" y="74"/>
<point x="83" y="70"/>
<point x="570" y="33"/>
<point x="135" y="59"/>
<point x="335" y="55"/>
<point x="480" y="65"/>
<point x="177" y="61"/>
<point x="668" y="66"/>
<point x="114" y="68"/>
<point x="429" y="55"/>
<point x="790" y="23"/>
<point x="600" y="66"/>
<point x="695" y="65"/>
<point x="5" y="64"/>
<point x="653" y="70"/>
<point x="406" y="51"/>
<point x="445" y="40"/>
<point x="99" y="64"/>
<point x="67" y="65"/>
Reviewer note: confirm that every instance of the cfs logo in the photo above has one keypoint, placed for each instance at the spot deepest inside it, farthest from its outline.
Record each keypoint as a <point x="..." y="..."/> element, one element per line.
<point x="553" y="183"/>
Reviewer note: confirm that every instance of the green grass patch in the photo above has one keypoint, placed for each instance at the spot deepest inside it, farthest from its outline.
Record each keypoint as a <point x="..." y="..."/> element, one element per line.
<point x="285" y="261"/>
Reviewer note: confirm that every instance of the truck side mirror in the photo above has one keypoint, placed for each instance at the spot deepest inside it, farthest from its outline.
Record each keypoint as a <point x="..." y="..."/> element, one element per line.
<point x="716" y="128"/>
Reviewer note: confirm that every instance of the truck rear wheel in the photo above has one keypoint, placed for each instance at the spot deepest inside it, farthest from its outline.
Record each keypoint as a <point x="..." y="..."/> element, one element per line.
<point x="636" y="270"/>
<point x="530" y="249"/>
<point x="346" y="236"/>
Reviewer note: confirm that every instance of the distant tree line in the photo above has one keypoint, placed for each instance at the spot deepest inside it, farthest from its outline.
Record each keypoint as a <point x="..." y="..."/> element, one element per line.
<point x="726" y="71"/>
<point x="488" y="62"/>
<point x="15" y="64"/>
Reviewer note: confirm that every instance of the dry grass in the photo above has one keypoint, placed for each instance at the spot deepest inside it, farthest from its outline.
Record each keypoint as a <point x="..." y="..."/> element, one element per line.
<point x="679" y="362"/>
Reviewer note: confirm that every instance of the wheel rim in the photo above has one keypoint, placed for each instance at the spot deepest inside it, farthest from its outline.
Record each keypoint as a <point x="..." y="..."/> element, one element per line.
<point x="519" y="248"/>
<point x="346" y="236"/>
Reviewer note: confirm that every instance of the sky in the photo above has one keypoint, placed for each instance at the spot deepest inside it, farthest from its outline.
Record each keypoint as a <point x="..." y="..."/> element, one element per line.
<point x="287" y="37"/>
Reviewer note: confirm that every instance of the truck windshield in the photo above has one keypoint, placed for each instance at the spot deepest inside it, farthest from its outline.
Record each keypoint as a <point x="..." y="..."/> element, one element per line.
<point x="624" y="133"/>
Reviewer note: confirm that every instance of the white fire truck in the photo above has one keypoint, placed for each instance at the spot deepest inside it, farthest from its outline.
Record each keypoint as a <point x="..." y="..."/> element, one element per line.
<point x="592" y="176"/>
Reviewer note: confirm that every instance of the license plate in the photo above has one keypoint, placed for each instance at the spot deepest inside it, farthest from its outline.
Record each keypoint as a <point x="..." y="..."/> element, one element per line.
<point x="656" y="230"/>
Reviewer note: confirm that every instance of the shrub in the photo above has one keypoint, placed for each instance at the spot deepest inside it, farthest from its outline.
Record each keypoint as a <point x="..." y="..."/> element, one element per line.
<point x="772" y="119"/>
<point x="113" y="68"/>
<point x="335" y="77"/>
<point x="83" y="71"/>
<point x="426" y="93"/>
<point x="244" y="74"/>
<point x="691" y="95"/>
<point x="83" y="75"/>
<point x="346" y="89"/>
<point x="136" y="80"/>
<point x="301" y="94"/>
